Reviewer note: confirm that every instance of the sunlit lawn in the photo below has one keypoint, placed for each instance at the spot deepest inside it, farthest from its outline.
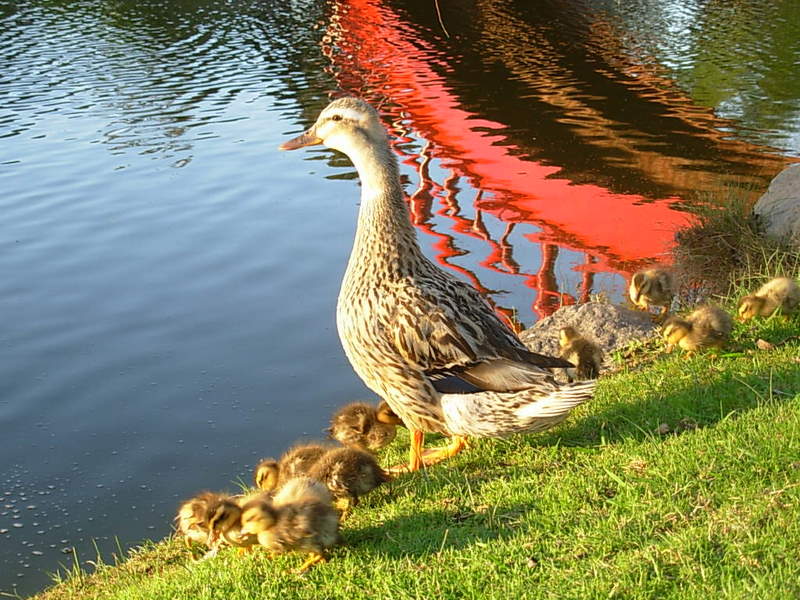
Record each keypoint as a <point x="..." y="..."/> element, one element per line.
<point x="602" y="506"/>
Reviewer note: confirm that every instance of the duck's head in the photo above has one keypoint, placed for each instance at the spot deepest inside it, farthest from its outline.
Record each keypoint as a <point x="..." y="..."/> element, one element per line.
<point x="344" y="125"/>
<point x="351" y="423"/>
<point x="674" y="330"/>
<point x="750" y="306"/>
<point x="266" y="473"/>
<point x="221" y="516"/>
<point x="641" y="283"/>
<point x="566" y="335"/>
<point x="362" y="426"/>
<point x="258" y="516"/>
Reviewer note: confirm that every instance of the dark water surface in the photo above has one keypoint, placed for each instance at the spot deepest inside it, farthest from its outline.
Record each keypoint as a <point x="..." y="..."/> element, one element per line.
<point x="168" y="278"/>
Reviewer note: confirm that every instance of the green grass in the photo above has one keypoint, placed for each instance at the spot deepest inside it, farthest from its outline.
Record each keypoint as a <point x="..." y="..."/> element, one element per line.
<point x="600" y="507"/>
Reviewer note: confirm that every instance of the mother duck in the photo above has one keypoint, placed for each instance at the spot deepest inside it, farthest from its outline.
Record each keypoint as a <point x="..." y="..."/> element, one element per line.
<point x="427" y="343"/>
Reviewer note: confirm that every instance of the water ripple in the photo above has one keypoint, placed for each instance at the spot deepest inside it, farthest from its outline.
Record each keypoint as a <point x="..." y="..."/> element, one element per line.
<point x="130" y="235"/>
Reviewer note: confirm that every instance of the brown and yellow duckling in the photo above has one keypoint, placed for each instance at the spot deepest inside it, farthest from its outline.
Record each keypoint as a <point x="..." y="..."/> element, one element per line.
<point x="211" y="519"/>
<point x="223" y="519"/>
<point x="348" y="474"/>
<point x="585" y="355"/>
<point x="652" y="287"/>
<point x="707" y="327"/>
<point x="781" y="294"/>
<point x="365" y="427"/>
<point x="300" y="518"/>
<point x="191" y="520"/>
<point x="270" y="474"/>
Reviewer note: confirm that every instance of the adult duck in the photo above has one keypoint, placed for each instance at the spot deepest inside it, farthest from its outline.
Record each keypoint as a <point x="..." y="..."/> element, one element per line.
<point x="427" y="343"/>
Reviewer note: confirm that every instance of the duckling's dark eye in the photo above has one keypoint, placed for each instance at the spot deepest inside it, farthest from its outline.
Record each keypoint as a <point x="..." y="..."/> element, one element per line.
<point x="336" y="118"/>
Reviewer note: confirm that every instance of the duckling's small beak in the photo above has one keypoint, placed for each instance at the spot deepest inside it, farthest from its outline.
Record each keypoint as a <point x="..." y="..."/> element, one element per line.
<point x="308" y="138"/>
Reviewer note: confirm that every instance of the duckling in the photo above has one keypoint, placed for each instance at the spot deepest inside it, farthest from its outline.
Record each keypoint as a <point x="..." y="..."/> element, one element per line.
<point x="585" y="355"/>
<point x="707" y="327"/>
<point x="223" y="519"/>
<point x="269" y="474"/>
<point x="781" y="293"/>
<point x="191" y="518"/>
<point x="652" y="287"/>
<point x="364" y="427"/>
<point x="300" y="517"/>
<point x="348" y="474"/>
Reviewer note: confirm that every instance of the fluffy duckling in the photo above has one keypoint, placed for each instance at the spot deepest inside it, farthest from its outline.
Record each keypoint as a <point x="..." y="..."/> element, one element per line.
<point x="364" y="427"/>
<point x="652" y="287"/>
<point x="585" y="355"/>
<point x="348" y="474"/>
<point x="191" y="518"/>
<point x="269" y="474"/>
<point x="707" y="327"/>
<point x="781" y="293"/>
<point x="299" y="518"/>
<point x="223" y="518"/>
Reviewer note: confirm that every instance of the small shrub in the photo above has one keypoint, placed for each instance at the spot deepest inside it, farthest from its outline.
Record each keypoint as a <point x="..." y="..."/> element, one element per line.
<point x="725" y="253"/>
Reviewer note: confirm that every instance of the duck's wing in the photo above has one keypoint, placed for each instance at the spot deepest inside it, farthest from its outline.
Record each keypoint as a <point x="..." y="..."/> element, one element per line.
<point x="450" y="331"/>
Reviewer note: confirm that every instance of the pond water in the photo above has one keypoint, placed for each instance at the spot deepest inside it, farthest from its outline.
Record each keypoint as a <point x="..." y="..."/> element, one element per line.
<point x="168" y="278"/>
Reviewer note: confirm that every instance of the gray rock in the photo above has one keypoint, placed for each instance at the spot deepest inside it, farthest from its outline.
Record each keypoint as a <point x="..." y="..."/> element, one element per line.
<point x="611" y="327"/>
<point x="778" y="210"/>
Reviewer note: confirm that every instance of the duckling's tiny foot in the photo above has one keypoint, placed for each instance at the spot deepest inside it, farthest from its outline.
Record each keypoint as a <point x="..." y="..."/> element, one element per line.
<point x="310" y="562"/>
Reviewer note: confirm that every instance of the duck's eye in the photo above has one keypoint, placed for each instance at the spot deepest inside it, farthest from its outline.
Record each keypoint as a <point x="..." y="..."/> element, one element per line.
<point x="336" y="118"/>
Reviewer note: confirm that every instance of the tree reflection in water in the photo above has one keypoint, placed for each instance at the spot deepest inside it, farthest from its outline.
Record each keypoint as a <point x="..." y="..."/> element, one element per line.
<point x="596" y="153"/>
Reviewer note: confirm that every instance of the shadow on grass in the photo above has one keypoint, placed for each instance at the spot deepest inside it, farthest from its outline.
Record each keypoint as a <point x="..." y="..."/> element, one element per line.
<point x="429" y="531"/>
<point x="702" y="392"/>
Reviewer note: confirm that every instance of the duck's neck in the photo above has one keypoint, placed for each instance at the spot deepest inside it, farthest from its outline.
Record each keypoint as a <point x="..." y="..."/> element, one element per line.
<point x="385" y="234"/>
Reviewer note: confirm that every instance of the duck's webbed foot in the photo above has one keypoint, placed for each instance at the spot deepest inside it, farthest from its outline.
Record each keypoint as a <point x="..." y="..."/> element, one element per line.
<point x="419" y="459"/>
<point x="435" y="455"/>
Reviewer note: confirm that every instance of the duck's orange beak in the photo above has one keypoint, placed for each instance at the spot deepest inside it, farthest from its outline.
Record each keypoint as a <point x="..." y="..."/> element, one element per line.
<point x="307" y="138"/>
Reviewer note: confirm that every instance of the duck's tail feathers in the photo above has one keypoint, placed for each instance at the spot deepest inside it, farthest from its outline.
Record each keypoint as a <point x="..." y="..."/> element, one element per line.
<point x="560" y="402"/>
<point x="499" y="414"/>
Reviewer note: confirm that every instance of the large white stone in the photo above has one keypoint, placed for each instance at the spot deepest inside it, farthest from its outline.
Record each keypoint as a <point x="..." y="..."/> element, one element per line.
<point x="778" y="210"/>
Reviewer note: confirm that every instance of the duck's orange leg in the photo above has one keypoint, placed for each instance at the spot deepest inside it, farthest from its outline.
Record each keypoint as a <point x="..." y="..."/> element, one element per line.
<point x="415" y="451"/>
<point x="414" y="455"/>
<point x="418" y="459"/>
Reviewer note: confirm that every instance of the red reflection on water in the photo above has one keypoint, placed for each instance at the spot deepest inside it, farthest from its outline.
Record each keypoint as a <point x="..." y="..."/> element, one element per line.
<point x="376" y="55"/>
